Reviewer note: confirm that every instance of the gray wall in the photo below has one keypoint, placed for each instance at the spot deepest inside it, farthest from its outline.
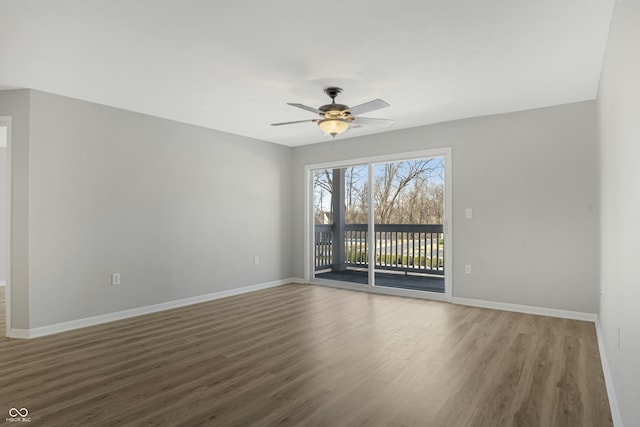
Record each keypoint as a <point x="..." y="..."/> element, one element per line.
<point x="619" y="108"/>
<point x="15" y="103"/>
<point x="531" y="179"/>
<point x="178" y="210"/>
<point x="4" y="206"/>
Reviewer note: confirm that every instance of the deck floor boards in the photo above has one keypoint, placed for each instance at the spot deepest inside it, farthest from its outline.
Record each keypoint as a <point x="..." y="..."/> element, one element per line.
<point x="390" y="280"/>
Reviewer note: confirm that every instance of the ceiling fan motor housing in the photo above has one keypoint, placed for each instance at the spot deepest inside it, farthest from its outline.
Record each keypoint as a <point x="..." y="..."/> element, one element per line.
<point x="333" y="110"/>
<point x="332" y="92"/>
<point x="333" y="107"/>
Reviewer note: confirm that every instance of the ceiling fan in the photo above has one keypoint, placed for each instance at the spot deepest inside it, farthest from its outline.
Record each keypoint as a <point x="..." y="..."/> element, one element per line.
<point x="337" y="118"/>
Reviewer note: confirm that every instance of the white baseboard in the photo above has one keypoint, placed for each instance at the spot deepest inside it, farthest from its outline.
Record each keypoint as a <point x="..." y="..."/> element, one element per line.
<point x="139" y="311"/>
<point x="528" y="309"/>
<point x="608" y="378"/>
<point x="19" y="333"/>
<point x="541" y="311"/>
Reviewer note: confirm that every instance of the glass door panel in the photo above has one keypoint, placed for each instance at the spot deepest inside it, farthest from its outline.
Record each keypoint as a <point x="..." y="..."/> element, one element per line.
<point x="340" y="209"/>
<point x="409" y="223"/>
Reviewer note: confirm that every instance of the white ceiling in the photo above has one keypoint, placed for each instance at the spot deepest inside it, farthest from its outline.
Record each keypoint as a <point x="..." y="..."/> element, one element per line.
<point x="233" y="65"/>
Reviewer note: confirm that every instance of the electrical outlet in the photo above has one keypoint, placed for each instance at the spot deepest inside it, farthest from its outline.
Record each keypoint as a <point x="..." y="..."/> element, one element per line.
<point x="115" y="279"/>
<point x="468" y="213"/>
<point x="467" y="269"/>
<point x="256" y="260"/>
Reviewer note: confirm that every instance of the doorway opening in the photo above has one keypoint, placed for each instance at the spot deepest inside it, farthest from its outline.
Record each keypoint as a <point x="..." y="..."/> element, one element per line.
<point x="382" y="224"/>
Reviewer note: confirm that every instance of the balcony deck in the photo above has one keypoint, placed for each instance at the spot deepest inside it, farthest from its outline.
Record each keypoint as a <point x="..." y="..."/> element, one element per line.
<point x="388" y="279"/>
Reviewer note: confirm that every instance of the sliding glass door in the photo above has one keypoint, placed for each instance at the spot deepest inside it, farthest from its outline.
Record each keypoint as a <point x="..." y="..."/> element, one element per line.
<point x="382" y="223"/>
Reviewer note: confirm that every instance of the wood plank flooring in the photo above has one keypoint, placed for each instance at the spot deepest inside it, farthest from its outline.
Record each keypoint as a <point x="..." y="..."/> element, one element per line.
<point x="301" y="355"/>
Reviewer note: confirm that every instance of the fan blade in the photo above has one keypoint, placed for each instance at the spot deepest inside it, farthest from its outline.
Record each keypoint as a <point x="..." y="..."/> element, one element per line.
<point x="291" y="123"/>
<point x="376" y="104"/>
<point x="305" y="107"/>
<point x="366" y="121"/>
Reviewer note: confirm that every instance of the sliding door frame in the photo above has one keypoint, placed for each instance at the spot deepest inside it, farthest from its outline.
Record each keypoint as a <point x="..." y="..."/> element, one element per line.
<point x="5" y="121"/>
<point x="309" y="253"/>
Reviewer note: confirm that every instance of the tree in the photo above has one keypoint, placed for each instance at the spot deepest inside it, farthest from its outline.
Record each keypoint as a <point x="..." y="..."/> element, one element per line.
<point x="392" y="204"/>
<point x="408" y="192"/>
<point x="323" y="188"/>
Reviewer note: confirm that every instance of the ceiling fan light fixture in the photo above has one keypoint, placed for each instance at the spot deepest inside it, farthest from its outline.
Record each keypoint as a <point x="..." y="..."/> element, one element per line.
<point x="333" y="127"/>
<point x="336" y="118"/>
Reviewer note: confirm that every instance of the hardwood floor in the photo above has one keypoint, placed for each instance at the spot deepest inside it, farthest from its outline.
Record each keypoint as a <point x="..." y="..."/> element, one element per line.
<point x="312" y="356"/>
